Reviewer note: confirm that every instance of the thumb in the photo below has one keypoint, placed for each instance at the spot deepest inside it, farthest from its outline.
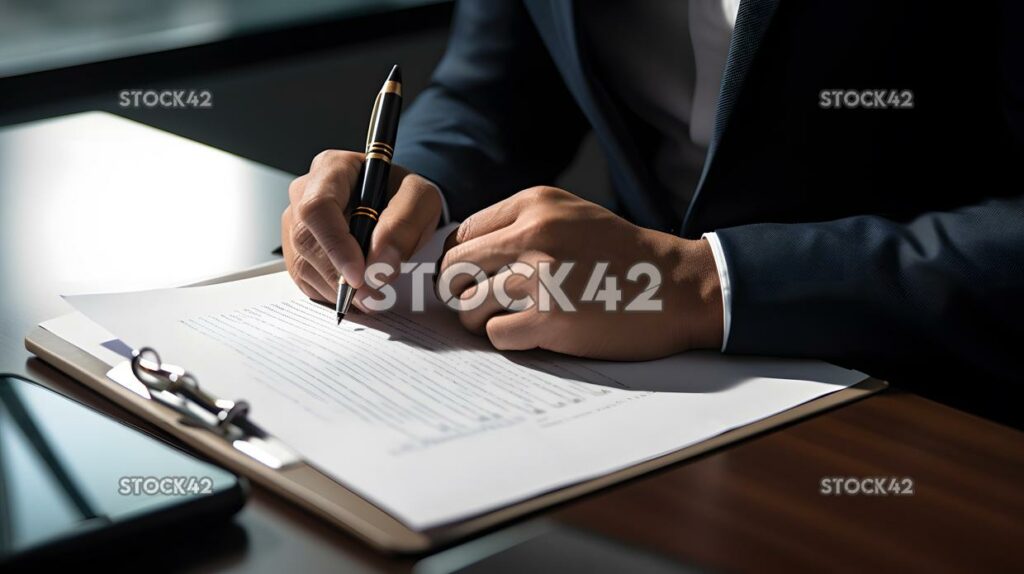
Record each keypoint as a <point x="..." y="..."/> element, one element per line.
<point x="406" y="224"/>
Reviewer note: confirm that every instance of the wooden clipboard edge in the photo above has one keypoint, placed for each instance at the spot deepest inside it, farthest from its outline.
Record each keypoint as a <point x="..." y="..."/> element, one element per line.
<point x="865" y="388"/>
<point x="303" y="485"/>
<point x="318" y="493"/>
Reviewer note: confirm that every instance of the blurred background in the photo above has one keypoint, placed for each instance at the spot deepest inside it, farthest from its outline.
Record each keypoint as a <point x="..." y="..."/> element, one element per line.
<point x="286" y="79"/>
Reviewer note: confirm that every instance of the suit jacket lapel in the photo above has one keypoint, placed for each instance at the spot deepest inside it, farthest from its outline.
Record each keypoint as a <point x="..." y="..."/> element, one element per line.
<point x="556" y="21"/>
<point x="751" y="23"/>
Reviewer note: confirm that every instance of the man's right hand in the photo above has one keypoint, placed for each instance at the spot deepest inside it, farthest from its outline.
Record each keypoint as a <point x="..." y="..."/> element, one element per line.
<point x="318" y="247"/>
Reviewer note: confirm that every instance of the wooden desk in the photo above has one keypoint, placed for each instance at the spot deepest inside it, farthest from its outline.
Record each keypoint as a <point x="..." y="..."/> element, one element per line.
<point x="754" y="506"/>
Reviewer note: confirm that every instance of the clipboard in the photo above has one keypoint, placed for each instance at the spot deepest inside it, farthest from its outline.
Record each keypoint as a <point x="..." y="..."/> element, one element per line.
<point x="320" y="494"/>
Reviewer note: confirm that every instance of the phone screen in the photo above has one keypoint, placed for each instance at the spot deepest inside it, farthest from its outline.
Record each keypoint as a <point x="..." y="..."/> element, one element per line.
<point x="66" y="470"/>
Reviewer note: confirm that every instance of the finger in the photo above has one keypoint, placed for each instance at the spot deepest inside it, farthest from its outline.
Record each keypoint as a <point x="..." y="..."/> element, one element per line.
<point x="489" y="252"/>
<point x="323" y="289"/>
<point x="515" y="331"/>
<point x="406" y="224"/>
<point x="287" y="247"/>
<point x="489" y="219"/>
<point x="296" y="187"/>
<point x="322" y="210"/>
<point x="301" y="268"/>
<point x="517" y="290"/>
<point x="308" y="290"/>
<point x="306" y="246"/>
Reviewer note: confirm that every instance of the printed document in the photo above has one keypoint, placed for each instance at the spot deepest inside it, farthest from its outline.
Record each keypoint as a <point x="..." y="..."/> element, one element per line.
<point x="428" y="421"/>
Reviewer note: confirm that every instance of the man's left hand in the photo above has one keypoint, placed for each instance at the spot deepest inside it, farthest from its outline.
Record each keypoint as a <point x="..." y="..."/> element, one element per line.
<point x="678" y="287"/>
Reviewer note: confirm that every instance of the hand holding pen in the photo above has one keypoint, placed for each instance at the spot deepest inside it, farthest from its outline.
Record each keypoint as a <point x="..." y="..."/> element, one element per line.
<point x="317" y="228"/>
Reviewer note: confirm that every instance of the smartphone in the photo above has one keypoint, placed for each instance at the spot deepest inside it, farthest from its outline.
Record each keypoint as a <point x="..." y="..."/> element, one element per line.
<point x="74" y="481"/>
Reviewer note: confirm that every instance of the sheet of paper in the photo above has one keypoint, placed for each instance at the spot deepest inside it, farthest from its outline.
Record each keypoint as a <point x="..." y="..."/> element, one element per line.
<point x="85" y="334"/>
<point x="428" y="421"/>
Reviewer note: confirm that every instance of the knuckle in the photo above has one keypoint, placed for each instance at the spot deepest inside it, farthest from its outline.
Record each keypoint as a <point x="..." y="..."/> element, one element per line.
<point x="451" y="257"/>
<point x="401" y="228"/>
<point x="335" y="160"/>
<point x="426" y="210"/>
<point x="464" y="230"/>
<point x="323" y="159"/>
<point x="426" y="192"/>
<point x="529" y="193"/>
<point x="350" y="160"/>
<point x="542" y="193"/>
<point x="289" y="264"/>
<point x="535" y="227"/>
<point x="301" y="268"/>
<point x="310" y="207"/>
<point x="303" y="239"/>
<point x="295" y="187"/>
<point x="534" y="231"/>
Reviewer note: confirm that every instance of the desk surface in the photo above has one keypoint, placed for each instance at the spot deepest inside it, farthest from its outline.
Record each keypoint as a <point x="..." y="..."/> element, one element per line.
<point x="751" y="506"/>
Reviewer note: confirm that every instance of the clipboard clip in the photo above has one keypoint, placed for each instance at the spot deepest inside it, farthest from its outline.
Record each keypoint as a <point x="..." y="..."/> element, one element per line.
<point x="179" y="390"/>
<point x="160" y="377"/>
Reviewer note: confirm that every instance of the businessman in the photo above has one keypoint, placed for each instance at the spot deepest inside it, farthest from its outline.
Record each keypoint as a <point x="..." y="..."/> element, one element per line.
<point x="833" y="179"/>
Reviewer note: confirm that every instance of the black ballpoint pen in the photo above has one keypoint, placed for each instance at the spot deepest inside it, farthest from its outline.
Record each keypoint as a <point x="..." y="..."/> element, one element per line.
<point x="372" y="186"/>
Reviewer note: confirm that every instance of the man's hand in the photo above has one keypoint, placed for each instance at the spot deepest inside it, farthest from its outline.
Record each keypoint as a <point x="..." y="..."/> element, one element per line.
<point x="549" y="224"/>
<point x="317" y="244"/>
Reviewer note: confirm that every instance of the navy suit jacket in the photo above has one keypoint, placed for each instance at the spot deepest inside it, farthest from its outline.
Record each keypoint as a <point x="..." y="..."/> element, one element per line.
<point x="888" y="240"/>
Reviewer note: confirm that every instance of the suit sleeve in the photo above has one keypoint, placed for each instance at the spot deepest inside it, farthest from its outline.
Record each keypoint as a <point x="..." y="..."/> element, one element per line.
<point x="496" y="117"/>
<point x="873" y="294"/>
<point x="936" y="299"/>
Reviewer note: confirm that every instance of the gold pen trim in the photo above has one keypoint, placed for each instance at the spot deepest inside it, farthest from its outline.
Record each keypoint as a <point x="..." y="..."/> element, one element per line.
<point x="392" y="88"/>
<point x="383" y="147"/>
<point x="366" y="212"/>
<point x="378" y="155"/>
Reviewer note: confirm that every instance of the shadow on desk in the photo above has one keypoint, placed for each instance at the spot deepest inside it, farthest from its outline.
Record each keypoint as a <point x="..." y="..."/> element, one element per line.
<point x="218" y="546"/>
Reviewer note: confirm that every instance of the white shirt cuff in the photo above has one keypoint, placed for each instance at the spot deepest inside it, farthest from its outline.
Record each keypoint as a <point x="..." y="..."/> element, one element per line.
<point x="446" y="216"/>
<point x="723" y="280"/>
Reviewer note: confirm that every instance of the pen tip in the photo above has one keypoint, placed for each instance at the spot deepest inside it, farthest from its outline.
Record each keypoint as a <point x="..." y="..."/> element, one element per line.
<point x="395" y="75"/>
<point x="340" y="317"/>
